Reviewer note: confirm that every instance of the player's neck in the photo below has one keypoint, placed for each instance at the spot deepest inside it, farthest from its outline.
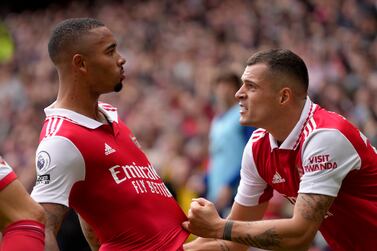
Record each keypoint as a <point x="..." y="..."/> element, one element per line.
<point x="287" y="122"/>
<point x="82" y="104"/>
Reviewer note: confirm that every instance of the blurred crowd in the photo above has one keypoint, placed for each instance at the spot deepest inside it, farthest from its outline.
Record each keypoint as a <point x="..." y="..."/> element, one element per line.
<point x="174" y="51"/>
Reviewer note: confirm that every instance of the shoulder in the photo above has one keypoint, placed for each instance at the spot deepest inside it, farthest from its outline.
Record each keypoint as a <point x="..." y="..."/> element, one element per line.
<point x="258" y="142"/>
<point x="255" y="146"/>
<point x="59" y="126"/>
<point x="60" y="150"/>
<point x="257" y="135"/>
<point x="327" y="119"/>
<point x="329" y="126"/>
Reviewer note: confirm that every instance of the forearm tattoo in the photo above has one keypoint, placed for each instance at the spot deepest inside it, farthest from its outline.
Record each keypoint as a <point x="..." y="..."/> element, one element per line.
<point x="314" y="207"/>
<point x="267" y="240"/>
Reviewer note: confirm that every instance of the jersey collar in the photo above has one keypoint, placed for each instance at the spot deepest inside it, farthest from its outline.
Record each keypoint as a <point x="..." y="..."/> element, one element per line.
<point x="290" y="143"/>
<point x="109" y="111"/>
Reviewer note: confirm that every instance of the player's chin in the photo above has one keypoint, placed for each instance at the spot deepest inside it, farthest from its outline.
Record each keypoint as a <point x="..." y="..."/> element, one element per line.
<point x="244" y="121"/>
<point x="118" y="87"/>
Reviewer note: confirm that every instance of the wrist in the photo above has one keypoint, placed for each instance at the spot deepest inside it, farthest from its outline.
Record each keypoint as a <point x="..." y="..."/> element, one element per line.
<point x="220" y="229"/>
<point x="227" y="233"/>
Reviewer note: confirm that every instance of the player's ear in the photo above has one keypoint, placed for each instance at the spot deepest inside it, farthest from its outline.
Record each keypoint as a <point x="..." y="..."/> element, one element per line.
<point x="285" y="95"/>
<point x="79" y="63"/>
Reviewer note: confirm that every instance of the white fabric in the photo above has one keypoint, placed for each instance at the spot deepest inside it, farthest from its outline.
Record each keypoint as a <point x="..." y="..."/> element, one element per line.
<point x="290" y="142"/>
<point x="109" y="111"/>
<point x="335" y="148"/>
<point x="64" y="165"/>
<point x="5" y="169"/>
<point x="251" y="185"/>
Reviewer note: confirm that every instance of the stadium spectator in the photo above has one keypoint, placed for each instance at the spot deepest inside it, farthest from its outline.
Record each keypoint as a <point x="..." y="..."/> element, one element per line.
<point x="227" y="138"/>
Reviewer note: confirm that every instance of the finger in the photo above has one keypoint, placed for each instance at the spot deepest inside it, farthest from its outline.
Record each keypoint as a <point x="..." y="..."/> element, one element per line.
<point x="189" y="214"/>
<point x="201" y="201"/>
<point x="197" y="208"/>
<point x="185" y="225"/>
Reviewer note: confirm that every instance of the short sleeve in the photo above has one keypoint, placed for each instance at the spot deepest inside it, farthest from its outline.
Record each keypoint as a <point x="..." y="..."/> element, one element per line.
<point x="7" y="175"/>
<point x="327" y="157"/>
<point x="59" y="166"/>
<point x="252" y="187"/>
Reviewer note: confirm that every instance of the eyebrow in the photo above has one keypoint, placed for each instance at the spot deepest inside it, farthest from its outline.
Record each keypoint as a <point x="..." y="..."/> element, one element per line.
<point x="111" y="46"/>
<point x="246" y="81"/>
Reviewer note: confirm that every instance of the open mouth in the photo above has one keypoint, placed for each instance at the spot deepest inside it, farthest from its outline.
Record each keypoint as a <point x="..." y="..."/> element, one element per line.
<point x="242" y="108"/>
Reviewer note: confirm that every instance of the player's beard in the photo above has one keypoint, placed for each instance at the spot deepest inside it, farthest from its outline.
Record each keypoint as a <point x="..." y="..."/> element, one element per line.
<point x="118" y="87"/>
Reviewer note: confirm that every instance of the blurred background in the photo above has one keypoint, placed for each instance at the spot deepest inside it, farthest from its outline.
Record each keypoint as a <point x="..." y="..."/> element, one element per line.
<point x="175" y="50"/>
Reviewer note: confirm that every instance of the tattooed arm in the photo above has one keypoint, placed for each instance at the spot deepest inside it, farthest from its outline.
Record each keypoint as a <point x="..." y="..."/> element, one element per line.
<point x="238" y="212"/>
<point x="55" y="214"/>
<point x="295" y="233"/>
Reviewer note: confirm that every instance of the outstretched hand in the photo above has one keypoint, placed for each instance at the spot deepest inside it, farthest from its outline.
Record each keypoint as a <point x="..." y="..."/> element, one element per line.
<point x="203" y="219"/>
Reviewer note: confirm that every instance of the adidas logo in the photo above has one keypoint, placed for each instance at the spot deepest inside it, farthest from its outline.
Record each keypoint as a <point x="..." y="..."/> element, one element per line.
<point x="277" y="179"/>
<point x="108" y="149"/>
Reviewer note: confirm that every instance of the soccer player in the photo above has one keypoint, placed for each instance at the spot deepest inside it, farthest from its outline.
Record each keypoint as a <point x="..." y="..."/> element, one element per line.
<point x="21" y="218"/>
<point x="90" y="161"/>
<point x="317" y="159"/>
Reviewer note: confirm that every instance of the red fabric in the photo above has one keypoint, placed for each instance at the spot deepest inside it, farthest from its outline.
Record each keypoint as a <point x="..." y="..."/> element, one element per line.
<point x="7" y="179"/>
<point x="23" y="235"/>
<point x="356" y="202"/>
<point x="122" y="196"/>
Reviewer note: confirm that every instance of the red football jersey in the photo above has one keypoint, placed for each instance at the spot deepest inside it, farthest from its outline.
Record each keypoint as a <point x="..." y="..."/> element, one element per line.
<point x="100" y="171"/>
<point x="324" y="154"/>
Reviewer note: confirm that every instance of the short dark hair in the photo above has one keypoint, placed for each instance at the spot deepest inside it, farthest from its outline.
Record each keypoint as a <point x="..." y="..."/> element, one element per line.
<point x="229" y="77"/>
<point x="283" y="61"/>
<point x="68" y="33"/>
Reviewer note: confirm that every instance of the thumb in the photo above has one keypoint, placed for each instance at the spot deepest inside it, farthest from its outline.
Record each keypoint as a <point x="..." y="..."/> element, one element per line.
<point x="185" y="225"/>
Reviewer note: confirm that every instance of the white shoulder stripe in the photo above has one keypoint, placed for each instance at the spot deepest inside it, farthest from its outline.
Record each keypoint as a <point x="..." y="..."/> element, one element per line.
<point x="257" y="134"/>
<point x="48" y="126"/>
<point x="54" y="126"/>
<point x="311" y="125"/>
<point x="58" y="126"/>
<point x="314" y="124"/>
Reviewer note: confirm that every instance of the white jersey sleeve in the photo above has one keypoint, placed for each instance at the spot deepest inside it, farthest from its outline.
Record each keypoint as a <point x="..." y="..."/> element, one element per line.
<point x="59" y="166"/>
<point x="327" y="157"/>
<point x="251" y="185"/>
<point x="5" y="168"/>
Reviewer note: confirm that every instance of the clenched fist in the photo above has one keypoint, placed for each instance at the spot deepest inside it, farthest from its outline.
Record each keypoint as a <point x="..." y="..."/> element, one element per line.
<point x="203" y="219"/>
